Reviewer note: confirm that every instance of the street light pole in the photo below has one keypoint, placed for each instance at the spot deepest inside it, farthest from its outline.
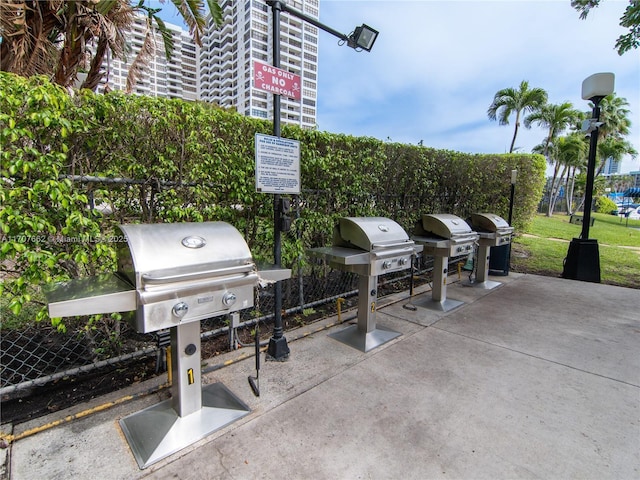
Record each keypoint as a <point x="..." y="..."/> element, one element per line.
<point x="278" y="348"/>
<point x="583" y="257"/>
<point x="591" y="168"/>
<point x="363" y="37"/>
<point x="514" y="175"/>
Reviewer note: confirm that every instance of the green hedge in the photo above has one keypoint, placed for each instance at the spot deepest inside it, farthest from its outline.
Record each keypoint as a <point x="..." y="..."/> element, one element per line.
<point x="192" y="161"/>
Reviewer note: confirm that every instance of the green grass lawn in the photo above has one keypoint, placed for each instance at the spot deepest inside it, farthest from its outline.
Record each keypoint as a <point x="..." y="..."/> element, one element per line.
<point x="543" y="247"/>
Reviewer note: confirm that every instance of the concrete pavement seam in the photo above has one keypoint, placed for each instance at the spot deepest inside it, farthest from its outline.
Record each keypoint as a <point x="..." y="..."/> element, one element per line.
<point x="536" y="357"/>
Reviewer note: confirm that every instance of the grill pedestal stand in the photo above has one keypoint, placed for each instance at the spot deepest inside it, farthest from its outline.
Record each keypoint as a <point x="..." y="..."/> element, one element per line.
<point x="482" y="271"/>
<point x="439" y="301"/>
<point x="493" y="231"/>
<point x="442" y="236"/>
<point x="365" y="335"/>
<point x="191" y="414"/>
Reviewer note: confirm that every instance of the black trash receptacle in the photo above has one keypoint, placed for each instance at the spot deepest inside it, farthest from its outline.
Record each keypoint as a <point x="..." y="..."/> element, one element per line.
<point x="499" y="260"/>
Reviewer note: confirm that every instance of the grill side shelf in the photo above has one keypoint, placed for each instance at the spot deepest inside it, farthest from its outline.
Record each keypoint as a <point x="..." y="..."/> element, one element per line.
<point x="342" y="255"/>
<point x="106" y="293"/>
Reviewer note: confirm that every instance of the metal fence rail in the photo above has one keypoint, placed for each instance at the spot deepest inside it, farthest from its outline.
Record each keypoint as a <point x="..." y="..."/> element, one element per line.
<point x="38" y="354"/>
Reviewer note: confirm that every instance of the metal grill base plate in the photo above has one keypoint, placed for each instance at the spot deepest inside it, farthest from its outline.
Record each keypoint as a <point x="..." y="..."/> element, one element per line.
<point x="442" y="306"/>
<point x="486" y="285"/>
<point x="356" y="338"/>
<point x="156" y="432"/>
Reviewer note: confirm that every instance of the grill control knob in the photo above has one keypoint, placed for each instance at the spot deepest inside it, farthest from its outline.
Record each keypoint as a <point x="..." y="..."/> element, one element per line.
<point x="229" y="299"/>
<point x="386" y="264"/>
<point x="180" y="309"/>
<point x="402" y="262"/>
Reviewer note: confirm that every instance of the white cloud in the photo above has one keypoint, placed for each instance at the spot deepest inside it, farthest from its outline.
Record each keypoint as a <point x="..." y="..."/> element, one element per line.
<point x="436" y="65"/>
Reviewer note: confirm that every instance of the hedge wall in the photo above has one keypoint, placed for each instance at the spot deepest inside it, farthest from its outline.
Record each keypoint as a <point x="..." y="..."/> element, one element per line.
<point x="175" y="161"/>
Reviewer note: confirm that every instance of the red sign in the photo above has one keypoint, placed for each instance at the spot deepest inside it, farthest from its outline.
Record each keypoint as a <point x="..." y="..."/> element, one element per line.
<point x="276" y="80"/>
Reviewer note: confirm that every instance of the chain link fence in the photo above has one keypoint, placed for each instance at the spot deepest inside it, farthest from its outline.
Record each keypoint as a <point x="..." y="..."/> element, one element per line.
<point x="39" y="354"/>
<point x="36" y="354"/>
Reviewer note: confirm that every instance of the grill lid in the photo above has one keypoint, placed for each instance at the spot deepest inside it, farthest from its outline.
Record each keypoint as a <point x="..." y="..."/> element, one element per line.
<point x="369" y="233"/>
<point x="165" y="253"/>
<point x="490" y="222"/>
<point x="443" y="225"/>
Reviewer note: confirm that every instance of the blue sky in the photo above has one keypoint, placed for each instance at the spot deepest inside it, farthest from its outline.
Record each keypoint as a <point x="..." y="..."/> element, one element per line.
<point x="436" y="66"/>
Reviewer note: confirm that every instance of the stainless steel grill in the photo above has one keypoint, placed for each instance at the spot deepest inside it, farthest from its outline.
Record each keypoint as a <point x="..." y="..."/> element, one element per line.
<point x="443" y="236"/>
<point x="173" y="276"/>
<point x="368" y="246"/>
<point x="170" y="274"/>
<point x="493" y="231"/>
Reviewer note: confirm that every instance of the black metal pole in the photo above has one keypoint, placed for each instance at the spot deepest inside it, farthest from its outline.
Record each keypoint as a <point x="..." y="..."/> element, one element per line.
<point x="278" y="348"/>
<point x="511" y="197"/>
<point x="510" y="219"/>
<point x="286" y="8"/>
<point x="591" y="169"/>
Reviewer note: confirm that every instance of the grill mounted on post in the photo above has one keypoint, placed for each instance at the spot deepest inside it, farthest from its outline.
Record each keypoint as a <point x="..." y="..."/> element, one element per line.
<point x="368" y="246"/>
<point x="494" y="231"/>
<point x="173" y="276"/>
<point x="443" y="236"/>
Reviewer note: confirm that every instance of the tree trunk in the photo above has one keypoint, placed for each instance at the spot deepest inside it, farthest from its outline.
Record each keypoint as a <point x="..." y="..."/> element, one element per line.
<point x="552" y="191"/>
<point x="554" y="199"/>
<point x="571" y="181"/>
<point x="95" y="75"/>
<point x="515" y="132"/>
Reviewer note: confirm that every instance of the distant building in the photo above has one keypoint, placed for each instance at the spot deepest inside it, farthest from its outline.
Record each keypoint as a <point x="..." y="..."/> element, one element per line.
<point x="227" y="55"/>
<point x="175" y="78"/>
<point x="611" y="167"/>
<point x="221" y="71"/>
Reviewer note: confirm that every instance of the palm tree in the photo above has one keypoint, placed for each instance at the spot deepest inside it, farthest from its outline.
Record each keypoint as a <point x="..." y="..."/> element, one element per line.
<point x="102" y="25"/>
<point x="509" y="100"/>
<point x="556" y="118"/>
<point x="57" y="37"/>
<point x="29" y="30"/>
<point x="614" y="116"/>
<point x="572" y="154"/>
<point x="614" y="148"/>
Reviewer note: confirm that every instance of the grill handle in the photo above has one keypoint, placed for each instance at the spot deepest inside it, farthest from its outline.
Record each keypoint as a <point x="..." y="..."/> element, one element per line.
<point x="151" y="279"/>
<point x="160" y="294"/>
<point x="404" y="243"/>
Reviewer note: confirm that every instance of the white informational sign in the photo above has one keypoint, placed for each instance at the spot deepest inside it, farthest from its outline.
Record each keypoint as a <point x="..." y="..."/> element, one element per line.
<point x="277" y="165"/>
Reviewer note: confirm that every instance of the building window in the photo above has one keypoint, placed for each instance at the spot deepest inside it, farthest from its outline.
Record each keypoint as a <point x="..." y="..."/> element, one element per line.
<point x="310" y="48"/>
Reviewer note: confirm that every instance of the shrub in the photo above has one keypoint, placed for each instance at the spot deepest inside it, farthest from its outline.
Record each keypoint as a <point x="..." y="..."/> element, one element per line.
<point x="605" y="205"/>
<point x="158" y="160"/>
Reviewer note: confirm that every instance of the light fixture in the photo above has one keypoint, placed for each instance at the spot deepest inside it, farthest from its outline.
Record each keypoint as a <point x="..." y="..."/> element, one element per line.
<point x="597" y="85"/>
<point x="363" y="37"/>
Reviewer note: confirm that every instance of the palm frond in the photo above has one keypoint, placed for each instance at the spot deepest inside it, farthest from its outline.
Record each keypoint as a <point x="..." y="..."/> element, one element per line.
<point x="192" y="14"/>
<point x="28" y="29"/>
<point x="147" y="51"/>
<point x="167" y="37"/>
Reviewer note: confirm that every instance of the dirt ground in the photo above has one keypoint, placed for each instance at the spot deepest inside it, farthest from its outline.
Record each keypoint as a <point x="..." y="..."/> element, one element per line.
<point x="64" y="393"/>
